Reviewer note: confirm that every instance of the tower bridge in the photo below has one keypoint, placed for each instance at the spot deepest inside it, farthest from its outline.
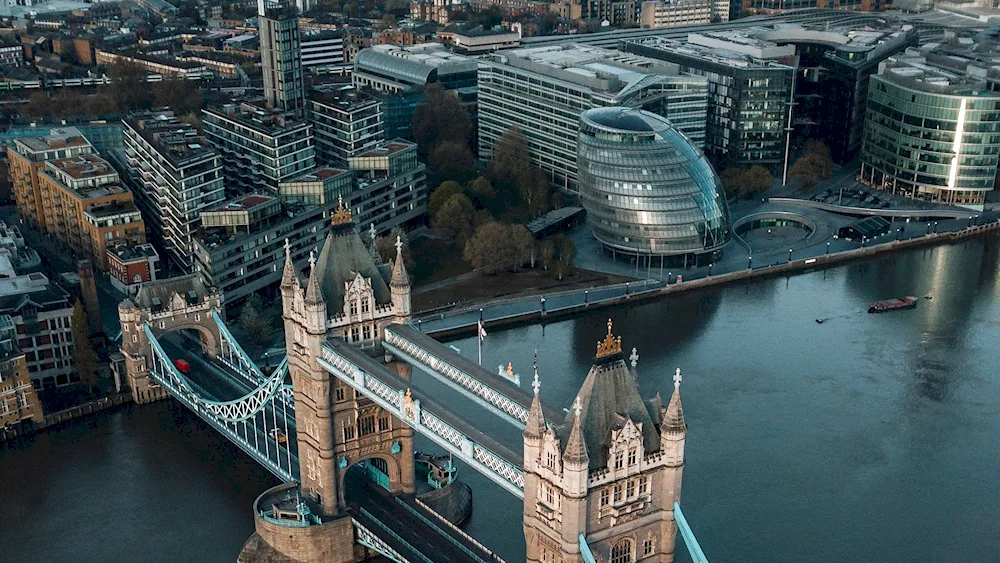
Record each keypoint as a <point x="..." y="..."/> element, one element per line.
<point x="335" y="422"/>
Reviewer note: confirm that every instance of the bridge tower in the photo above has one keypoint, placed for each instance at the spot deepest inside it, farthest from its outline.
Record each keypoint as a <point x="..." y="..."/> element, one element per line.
<point x="611" y="472"/>
<point x="181" y="303"/>
<point x="347" y="297"/>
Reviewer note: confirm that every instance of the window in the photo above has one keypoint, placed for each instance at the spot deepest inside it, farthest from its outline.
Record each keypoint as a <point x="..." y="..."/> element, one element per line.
<point x="21" y="403"/>
<point x="605" y="493"/>
<point x="618" y="493"/>
<point x="354" y="308"/>
<point x="339" y="394"/>
<point x="550" y="495"/>
<point x="643" y="485"/>
<point x="355" y="334"/>
<point x="348" y="432"/>
<point x="550" y="460"/>
<point x="365" y="305"/>
<point x="632" y="456"/>
<point x="383" y="424"/>
<point x="647" y="546"/>
<point x="367" y="332"/>
<point x="619" y="460"/>
<point x="621" y="551"/>
<point x="3" y="406"/>
<point x="366" y="425"/>
<point x="630" y="489"/>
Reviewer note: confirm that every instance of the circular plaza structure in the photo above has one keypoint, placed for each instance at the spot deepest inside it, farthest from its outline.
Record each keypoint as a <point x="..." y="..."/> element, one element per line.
<point x="647" y="190"/>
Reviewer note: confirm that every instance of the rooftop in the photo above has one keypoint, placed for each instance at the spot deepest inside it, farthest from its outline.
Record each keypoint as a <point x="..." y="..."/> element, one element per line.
<point x="243" y="203"/>
<point x="133" y="253"/>
<point x="388" y="148"/>
<point x="715" y="55"/>
<point x="112" y="209"/>
<point x="318" y="175"/>
<point x="176" y="140"/>
<point x="341" y="94"/>
<point x="60" y="137"/>
<point x="253" y="114"/>
<point x="912" y="69"/>
<point x="83" y="166"/>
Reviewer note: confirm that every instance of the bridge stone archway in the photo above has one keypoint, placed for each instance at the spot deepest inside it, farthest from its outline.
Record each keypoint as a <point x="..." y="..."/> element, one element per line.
<point x="170" y="305"/>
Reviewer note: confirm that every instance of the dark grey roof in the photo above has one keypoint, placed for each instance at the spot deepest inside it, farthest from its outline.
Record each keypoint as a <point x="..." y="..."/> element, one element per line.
<point x="610" y="396"/>
<point x="619" y="118"/>
<point x="164" y="290"/>
<point x="342" y="257"/>
<point x="399" y="68"/>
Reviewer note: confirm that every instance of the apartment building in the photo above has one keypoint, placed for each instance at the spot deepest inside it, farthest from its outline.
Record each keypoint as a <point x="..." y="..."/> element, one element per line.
<point x="18" y="401"/>
<point x="174" y="175"/>
<point x="40" y="312"/>
<point x="345" y="122"/>
<point x="28" y="155"/>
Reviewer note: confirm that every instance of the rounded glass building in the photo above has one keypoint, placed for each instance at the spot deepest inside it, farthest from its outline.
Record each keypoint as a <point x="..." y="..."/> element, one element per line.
<point x="647" y="190"/>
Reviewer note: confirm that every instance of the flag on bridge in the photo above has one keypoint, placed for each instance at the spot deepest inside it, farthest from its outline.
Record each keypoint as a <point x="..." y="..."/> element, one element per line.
<point x="482" y="331"/>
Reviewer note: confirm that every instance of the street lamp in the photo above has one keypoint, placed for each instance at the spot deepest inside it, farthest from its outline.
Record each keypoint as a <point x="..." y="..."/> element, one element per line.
<point x="710" y="269"/>
<point x="626" y="289"/>
<point x="828" y="247"/>
<point x="749" y="262"/>
<point x="542" y="301"/>
<point x="863" y="238"/>
<point x="586" y="296"/>
<point x="789" y="254"/>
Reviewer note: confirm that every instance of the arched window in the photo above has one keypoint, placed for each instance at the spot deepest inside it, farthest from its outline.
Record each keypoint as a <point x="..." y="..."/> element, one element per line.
<point x="621" y="551"/>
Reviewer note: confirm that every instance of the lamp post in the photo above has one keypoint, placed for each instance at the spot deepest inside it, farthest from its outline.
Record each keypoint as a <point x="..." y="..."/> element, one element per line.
<point x="863" y="238"/>
<point x="626" y="289"/>
<point x="586" y="296"/>
<point x="710" y="269"/>
<point x="828" y="247"/>
<point x="749" y="262"/>
<point x="789" y="254"/>
<point x="542" y="302"/>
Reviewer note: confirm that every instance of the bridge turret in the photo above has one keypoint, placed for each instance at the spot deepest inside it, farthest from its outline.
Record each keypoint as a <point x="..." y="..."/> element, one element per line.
<point x="315" y="305"/>
<point x="400" y="286"/>
<point x="534" y="429"/>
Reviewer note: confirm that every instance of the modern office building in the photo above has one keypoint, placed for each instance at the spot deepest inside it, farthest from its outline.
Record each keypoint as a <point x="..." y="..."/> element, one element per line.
<point x="931" y="133"/>
<point x="280" y="57"/>
<point x="663" y="13"/>
<point x="260" y="147"/>
<point x="86" y="207"/>
<point x="400" y="74"/>
<point x="543" y="90"/>
<point x="648" y="191"/>
<point x="242" y="240"/>
<point x="749" y="93"/>
<point x="28" y="155"/>
<point x="322" y="49"/>
<point x="345" y="122"/>
<point x="174" y="176"/>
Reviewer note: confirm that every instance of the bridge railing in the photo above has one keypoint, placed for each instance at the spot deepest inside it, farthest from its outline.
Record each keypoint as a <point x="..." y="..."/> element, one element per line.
<point x="369" y="539"/>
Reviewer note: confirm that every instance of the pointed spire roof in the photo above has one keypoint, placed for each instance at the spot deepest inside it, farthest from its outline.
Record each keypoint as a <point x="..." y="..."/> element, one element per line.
<point x="576" y="448"/>
<point x="535" y="426"/>
<point x="399" y="275"/>
<point x="372" y="247"/>
<point x="673" y="418"/>
<point x="288" y="275"/>
<point x="313" y="293"/>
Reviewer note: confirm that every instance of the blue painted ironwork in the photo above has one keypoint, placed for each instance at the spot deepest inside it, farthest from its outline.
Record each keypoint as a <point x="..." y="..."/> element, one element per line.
<point x="256" y="422"/>
<point x="495" y="467"/>
<point x="368" y="539"/>
<point x="693" y="547"/>
<point x="233" y="355"/>
<point x="585" y="552"/>
<point x="440" y="531"/>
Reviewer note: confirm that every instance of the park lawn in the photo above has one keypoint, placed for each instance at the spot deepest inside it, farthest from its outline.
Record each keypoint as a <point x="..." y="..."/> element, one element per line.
<point x="482" y="287"/>
<point x="436" y="260"/>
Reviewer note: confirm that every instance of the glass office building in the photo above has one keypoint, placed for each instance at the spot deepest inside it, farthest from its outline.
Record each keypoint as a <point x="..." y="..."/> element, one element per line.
<point x="931" y="133"/>
<point x="648" y="191"/>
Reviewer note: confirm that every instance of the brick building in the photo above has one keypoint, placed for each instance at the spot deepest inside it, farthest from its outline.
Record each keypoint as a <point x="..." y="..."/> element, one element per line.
<point x="130" y="266"/>
<point x="18" y="401"/>
<point x="28" y="155"/>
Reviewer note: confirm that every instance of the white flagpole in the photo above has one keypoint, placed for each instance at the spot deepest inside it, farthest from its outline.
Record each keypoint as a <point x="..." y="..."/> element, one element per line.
<point x="479" y="339"/>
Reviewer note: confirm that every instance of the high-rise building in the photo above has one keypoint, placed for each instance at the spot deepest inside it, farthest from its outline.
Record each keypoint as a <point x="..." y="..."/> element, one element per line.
<point x="345" y="122"/>
<point x="174" y="176"/>
<point x="260" y="147"/>
<point x="280" y="55"/>
<point x="931" y="133"/>
<point x="543" y="90"/>
<point x="323" y="49"/>
<point x="647" y="190"/>
<point x="749" y="93"/>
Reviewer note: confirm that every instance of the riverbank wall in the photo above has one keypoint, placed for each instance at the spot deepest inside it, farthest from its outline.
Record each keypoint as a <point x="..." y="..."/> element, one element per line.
<point x="796" y="266"/>
<point x="65" y="415"/>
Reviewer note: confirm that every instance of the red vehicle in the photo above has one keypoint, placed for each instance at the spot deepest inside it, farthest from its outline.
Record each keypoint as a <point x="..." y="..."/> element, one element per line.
<point x="183" y="367"/>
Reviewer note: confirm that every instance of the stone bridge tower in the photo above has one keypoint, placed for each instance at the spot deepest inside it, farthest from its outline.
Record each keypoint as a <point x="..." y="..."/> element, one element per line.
<point x="181" y="303"/>
<point x="350" y="296"/>
<point x="612" y="471"/>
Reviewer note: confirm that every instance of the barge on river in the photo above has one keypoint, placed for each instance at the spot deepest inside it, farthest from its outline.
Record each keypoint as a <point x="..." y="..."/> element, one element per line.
<point x="908" y="302"/>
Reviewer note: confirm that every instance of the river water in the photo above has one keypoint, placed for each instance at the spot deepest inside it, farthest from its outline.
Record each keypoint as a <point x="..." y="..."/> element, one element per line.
<point x="864" y="438"/>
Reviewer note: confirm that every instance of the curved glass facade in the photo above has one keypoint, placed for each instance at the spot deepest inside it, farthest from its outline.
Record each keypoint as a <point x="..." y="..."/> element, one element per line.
<point x="939" y="147"/>
<point x="647" y="190"/>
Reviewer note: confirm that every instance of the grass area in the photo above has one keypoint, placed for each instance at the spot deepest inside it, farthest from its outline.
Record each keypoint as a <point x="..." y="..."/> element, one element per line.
<point x="436" y="260"/>
<point x="482" y="287"/>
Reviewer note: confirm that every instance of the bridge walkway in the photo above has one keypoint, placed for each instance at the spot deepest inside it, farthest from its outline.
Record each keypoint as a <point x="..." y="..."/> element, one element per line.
<point x="470" y="378"/>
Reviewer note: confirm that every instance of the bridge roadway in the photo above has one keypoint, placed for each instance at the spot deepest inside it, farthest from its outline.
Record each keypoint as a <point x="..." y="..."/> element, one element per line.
<point x="416" y="533"/>
<point x="465" y="376"/>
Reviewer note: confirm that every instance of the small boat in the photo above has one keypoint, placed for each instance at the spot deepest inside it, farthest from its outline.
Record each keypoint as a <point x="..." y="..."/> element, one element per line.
<point x="819" y="321"/>
<point x="928" y="296"/>
<point x="908" y="302"/>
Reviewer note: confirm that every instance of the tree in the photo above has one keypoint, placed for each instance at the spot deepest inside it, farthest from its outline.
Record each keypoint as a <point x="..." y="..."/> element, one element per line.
<point x="510" y="164"/>
<point x="490" y="17"/>
<point x="455" y="216"/>
<point x="813" y="165"/>
<point x="439" y="118"/>
<point x="547" y="252"/>
<point x="181" y="95"/>
<point x="496" y="247"/>
<point x="534" y="191"/>
<point x="451" y="159"/>
<point x="732" y="181"/>
<point x="388" y="21"/>
<point x="129" y="87"/>
<point x="565" y="252"/>
<point x="84" y="357"/>
<point x="481" y="191"/>
<point x="254" y="323"/>
<point x="441" y="195"/>
<point x="387" y="250"/>
<point x="757" y="179"/>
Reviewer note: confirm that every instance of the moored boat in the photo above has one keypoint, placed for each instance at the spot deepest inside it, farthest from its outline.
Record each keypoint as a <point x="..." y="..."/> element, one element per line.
<point x="908" y="302"/>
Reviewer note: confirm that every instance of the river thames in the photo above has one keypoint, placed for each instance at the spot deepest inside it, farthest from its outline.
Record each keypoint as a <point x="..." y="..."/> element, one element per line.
<point x="864" y="438"/>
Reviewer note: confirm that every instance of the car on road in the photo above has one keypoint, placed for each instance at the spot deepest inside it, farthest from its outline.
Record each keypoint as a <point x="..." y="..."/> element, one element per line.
<point x="278" y="436"/>
<point x="183" y="367"/>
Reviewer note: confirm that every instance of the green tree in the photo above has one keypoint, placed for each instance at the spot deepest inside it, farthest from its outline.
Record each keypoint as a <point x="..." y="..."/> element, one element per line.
<point x="565" y="252"/>
<point x="181" y="95"/>
<point x="441" y="195"/>
<point x="481" y="191"/>
<point x="732" y="181"/>
<point x="388" y="21"/>
<point x="387" y="248"/>
<point x="510" y="164"/>
<point x="756" y="180"/>
<point x="496" y="247"/>
<point x="256" y="325"/>
<point x="813" y="165"/>
<point x="534" y="191"/>
<point x="451" y="159"/>
<point x="84" y="357"/>
<point x="546" y="252"/>
<point x="440" y="118"/>
<point x="455" y="216"/>
<point x="490" y="17"/>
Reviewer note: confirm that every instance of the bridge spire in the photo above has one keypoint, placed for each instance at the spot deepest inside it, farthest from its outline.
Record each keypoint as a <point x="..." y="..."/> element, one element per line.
<point x="399" y="275"/>
<point x="673" y="417"/>
<point x="534" y="428"/>
<point x="288" y="276"/>
<point x="313" y="294"/>
<point x="372" y="247"/>
<point x="576" y="448"/>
